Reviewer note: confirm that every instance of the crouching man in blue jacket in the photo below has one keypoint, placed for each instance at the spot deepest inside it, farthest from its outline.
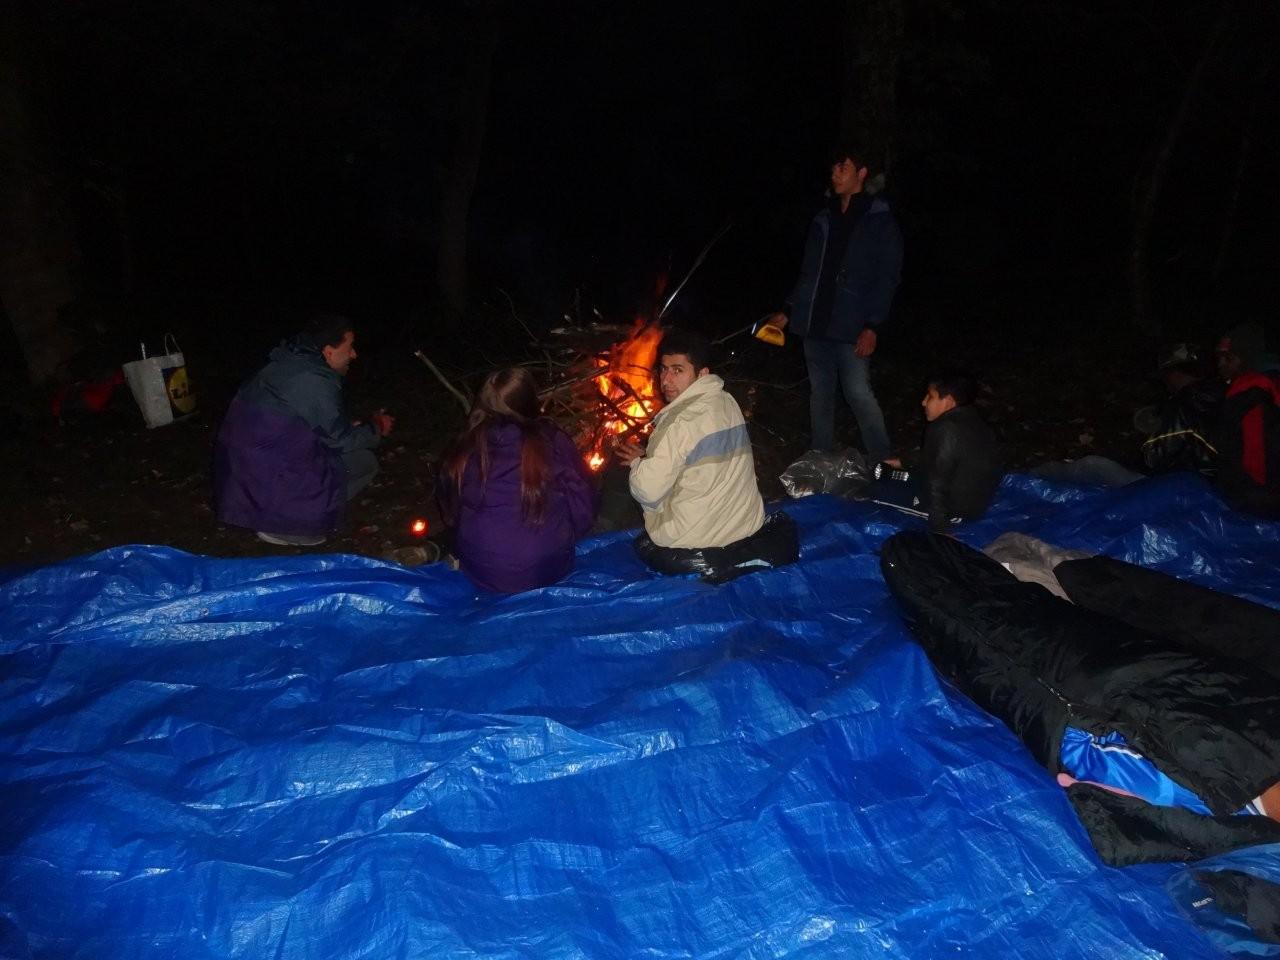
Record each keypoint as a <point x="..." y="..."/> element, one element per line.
<point x="287" y="457"/>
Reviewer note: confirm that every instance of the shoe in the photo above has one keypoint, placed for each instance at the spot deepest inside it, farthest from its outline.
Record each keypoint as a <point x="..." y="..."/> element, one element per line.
<point x="290" y="540"/>
<point x="414" y="556"/>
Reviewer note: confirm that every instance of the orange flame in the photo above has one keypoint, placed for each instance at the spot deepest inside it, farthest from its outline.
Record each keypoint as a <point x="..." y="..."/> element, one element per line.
<point x="626" y="379"/>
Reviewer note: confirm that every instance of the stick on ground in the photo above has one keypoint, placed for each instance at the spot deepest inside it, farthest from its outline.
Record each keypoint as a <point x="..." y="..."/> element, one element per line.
<point x="466" y="404"/>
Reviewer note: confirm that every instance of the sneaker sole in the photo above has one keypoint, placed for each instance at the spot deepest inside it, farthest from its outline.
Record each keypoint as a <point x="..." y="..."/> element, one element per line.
<point x="295" y="542"/>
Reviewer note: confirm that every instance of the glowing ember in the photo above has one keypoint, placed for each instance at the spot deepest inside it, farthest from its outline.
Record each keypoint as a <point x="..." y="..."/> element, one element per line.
<point x="418" y="528"/>
<point x="626" y="380"/>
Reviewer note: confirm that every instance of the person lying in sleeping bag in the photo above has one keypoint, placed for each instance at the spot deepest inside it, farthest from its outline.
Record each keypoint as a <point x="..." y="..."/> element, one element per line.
<point x="1167" y="752"/>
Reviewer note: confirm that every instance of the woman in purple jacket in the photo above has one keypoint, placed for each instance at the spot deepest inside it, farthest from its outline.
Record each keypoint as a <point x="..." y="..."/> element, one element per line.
<point x="516" y="490"/>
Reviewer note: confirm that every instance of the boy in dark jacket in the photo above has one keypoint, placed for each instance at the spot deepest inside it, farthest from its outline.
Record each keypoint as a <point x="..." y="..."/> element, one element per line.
<point x="1179" y="432"/>
<point x="960" y="466"/>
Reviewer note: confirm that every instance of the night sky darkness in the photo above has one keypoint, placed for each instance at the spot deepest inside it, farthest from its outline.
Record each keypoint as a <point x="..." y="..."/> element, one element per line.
<point x="267" y="158"/>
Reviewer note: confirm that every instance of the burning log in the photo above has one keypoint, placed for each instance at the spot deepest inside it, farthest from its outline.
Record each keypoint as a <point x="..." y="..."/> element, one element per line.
<point x="626" y="383"/>
<point x="600" y="385"/>
<point x="607" y="393"/>
<point x="619" y="370"/>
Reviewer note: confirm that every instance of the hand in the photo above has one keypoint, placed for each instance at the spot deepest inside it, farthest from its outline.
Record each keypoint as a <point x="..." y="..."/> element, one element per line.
<point x="779" y="320"/>
<point x="627" y="452"/>
<point x="382" y="422"/>
<point x="866" y="344"/>
<point x="895" y="462"/>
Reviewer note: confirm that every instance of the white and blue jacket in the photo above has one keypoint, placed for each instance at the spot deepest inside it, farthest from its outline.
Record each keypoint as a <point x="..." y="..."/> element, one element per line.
<point x="697" y="481"/>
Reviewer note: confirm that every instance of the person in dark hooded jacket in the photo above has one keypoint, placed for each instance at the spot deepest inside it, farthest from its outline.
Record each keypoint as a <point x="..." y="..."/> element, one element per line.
<point x="287" y="457"/>
<point x="1249" y="428"/>
<point x="1180" y="431"/>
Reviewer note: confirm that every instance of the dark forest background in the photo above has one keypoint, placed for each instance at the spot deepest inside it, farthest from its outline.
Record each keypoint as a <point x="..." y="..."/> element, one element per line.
<point x="219" y="168"/>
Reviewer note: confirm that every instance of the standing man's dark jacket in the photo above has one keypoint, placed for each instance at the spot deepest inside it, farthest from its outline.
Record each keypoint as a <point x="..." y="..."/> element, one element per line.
<point x="865" y="281"/>
<point x="278" y="460"/>
<point x="960" y="467"/>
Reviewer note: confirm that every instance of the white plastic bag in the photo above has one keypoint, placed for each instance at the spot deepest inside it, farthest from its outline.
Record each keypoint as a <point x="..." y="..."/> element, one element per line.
<point x="160" y="385"/>
<point x="843" y="473"/>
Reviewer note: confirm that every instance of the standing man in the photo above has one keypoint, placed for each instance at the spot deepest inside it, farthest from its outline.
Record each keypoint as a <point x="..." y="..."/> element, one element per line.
<point x="850" y="271"/>
<point x="287" y="458"/>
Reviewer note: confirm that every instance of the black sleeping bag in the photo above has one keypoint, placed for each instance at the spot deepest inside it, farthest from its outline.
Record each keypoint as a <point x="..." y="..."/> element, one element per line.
<point x="1039" y="663"/>
<point x="1195" y="618"/>
<point x="1245" y="895"/>
<point x="1128" y="830"/>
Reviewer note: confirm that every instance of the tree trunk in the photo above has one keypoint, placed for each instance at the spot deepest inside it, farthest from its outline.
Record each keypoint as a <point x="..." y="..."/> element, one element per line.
<point x="873" y="39"/>
<point x="460" y="177"/>
<point x="1237" y="181"/>
<point x="37" y="246"/>
<point x="1149" y="191"/>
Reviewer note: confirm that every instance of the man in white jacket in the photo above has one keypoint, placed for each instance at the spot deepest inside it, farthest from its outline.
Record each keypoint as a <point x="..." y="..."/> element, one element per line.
<point x="696" y="481"/>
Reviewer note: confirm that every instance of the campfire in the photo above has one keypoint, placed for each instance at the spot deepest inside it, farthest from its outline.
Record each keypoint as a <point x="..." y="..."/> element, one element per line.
<point x="608" y="395"/>
<point x="604" y="394"/>
<point x="626" y="383"/>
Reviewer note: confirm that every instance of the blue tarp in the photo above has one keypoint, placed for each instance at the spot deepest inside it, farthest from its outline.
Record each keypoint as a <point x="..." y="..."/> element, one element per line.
<point x="331" y="756"/>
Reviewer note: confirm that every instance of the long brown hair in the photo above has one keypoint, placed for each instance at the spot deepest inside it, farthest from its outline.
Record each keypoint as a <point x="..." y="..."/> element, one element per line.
<point x="508" y="396"/>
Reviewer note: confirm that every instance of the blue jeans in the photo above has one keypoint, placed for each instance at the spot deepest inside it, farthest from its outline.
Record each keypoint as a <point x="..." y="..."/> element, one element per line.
<point x="830" y="362"/>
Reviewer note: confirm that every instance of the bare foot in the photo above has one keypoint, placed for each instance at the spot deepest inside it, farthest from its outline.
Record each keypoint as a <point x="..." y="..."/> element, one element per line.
<point x="1270" y="800"/>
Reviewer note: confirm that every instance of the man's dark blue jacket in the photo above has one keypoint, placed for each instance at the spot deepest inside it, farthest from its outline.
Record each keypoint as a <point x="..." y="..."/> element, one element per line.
<point x="277" y="465"/>
<point x="865" y="283"/>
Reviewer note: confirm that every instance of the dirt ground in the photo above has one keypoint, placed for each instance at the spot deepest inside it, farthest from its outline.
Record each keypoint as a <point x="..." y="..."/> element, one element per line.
<point x="96" y="481"/>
